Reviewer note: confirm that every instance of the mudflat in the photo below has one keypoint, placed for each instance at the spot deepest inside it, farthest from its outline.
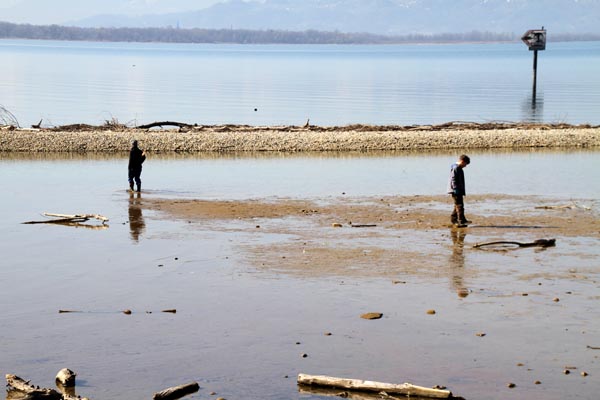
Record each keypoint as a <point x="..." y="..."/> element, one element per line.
<point x="388" y="234"/>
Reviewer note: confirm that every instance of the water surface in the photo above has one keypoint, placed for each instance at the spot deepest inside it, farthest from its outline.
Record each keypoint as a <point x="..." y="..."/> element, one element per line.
<point x="238" y="324"/>
<point x="80" y="82"/>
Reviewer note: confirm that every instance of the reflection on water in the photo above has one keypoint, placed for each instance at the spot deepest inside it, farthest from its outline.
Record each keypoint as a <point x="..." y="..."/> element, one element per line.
<point x="137" y="225"/>
<point x="533" y="108"/>
<point x="457" y="262"/>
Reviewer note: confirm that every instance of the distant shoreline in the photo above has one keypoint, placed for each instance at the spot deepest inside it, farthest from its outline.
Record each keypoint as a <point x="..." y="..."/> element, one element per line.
<point x="253" y="36"/>
<point x="242" y="138"/>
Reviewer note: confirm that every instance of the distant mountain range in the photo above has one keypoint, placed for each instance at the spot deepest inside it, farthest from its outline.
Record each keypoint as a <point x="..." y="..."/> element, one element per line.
<point x="388" y="17"/>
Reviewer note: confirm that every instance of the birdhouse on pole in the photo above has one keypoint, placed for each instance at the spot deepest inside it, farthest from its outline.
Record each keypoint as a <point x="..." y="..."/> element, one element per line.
<point x="535" y="39"/>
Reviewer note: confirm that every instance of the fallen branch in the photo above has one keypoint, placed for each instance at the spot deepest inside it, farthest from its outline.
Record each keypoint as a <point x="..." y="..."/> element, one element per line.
<point x="164" y="123"/>
<point x="68" y="219"/>
<point x="536" y="243"/>
<point x="405" y="389"/>
<point x="75" y="216"/>
<point x="177" y="392"/>
<point x="363" y="225"/>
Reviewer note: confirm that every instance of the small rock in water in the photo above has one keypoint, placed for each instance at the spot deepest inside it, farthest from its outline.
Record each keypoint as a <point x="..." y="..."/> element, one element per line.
<point x="511" y="385"/>
<point x="127" y="312"/>
<point x="556" y="299"/>
<point x="480" y="334"/>
<point x="336" y="225"/>
<point x="583" y="373"/>
<point x="431" y="312"/>
<point x="372" y="315"/>
<point x="66" y="377"/>
<point x="537" y="383"/>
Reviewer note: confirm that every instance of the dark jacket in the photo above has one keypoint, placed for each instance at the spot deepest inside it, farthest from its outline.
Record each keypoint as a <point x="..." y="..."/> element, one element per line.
<point x="456" y="184"/>
<point x="136" y="159"/>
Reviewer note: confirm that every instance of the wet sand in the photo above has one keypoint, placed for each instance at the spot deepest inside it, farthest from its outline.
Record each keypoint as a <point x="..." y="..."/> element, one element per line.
<point x="390" y="235"/>
<point x="232" y="138"/>
<point x="522" y="316"/>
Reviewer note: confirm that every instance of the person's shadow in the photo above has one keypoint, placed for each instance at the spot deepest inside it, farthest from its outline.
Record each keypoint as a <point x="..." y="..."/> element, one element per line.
<point x="137" y="226"/>
<point x="457" y="262"/>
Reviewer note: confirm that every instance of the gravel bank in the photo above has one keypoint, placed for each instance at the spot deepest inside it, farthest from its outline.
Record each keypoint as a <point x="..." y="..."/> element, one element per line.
<point x="243" y="138"/>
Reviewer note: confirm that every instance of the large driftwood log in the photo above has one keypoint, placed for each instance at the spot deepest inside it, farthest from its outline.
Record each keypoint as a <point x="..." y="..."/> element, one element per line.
<point x="405" y="389"/>
<point x="535" y="243"/>
<point x="30" y="392"/>
<point x="14" y="383"/>
<point x="177" y="392"/>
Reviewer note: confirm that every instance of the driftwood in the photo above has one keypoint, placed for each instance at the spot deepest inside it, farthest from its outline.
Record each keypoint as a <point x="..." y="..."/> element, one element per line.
<point x="75" y="216"/>
<point x="69" y="219"/>
<point x="404" y="389"/>
<point x="164" y="123"/>
<point x="564" y="207"/>
<point x="22" y="387"/>
<point x="535" y="243"/>
<point x="177" y="392"/>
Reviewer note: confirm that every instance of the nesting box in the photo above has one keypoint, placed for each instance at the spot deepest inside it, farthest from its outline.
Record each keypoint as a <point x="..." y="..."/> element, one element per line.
<point x="535" y="39"/>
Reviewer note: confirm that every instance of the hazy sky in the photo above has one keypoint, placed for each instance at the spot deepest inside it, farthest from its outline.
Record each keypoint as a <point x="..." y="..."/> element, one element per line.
<point x="60" y="11"/>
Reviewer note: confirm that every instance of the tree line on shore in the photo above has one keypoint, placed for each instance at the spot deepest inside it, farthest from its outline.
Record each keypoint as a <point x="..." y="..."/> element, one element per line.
<point x="246" y="36"/>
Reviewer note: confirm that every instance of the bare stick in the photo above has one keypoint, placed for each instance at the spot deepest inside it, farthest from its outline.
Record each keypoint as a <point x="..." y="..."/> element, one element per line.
<point x="177" y="392"/>
<point x="536" y="243"/>
<point x="74" y="216"/>
<point x="405" y="389"/>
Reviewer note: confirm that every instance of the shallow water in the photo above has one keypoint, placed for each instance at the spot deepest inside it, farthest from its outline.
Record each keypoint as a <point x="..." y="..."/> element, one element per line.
<point x="237" y="325"/>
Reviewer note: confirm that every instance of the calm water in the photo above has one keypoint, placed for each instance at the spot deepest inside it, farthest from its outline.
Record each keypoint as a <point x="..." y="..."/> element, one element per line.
<point x="73" y="82"/>
<point x="237" y="325"/>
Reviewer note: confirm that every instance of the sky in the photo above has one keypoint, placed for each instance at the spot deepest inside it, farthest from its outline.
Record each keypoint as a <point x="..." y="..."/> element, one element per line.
<point x="61" y="11"/>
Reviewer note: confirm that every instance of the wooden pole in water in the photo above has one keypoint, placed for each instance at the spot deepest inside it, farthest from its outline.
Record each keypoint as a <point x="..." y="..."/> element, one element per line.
<point x="535" y="63"/>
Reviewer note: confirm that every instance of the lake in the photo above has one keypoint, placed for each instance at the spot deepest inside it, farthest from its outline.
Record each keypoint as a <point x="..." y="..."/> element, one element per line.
<point x="244" y="319"/>
<point x="78" y="82"/>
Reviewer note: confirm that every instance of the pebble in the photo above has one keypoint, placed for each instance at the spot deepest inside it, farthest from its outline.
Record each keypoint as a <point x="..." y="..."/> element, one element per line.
<point x="537" y="383"/>
<point x="372" y="315"/>
<point x="336" y="225"/>
<point x="511" y="385"/>
<point x="556" y="299"/>
<point x="480" y="334"/>
<point x="583" y="373"/>
<point x="430" y="312"/>
<point x="127" y="312"/>
<point x="304" y="355"/>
